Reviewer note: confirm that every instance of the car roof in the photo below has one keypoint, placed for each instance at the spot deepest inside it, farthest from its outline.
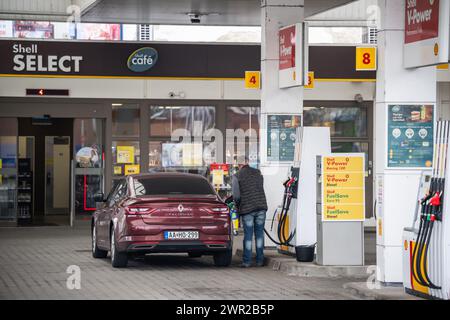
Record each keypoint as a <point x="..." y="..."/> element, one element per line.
<point x="167" y="175"/>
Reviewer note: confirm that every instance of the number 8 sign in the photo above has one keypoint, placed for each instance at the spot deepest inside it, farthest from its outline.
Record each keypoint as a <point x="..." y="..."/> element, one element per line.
<point x="366" y="59"/>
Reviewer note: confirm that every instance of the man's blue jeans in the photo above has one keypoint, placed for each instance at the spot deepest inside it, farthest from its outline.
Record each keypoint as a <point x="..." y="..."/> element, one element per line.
<point x="254" y="221"/>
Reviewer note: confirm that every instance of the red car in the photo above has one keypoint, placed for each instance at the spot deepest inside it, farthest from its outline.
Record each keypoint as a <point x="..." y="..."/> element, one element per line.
<point x="162" y="212"/>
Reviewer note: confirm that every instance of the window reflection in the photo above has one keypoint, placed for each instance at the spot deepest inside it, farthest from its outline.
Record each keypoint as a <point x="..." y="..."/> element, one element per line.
<point x="243" y="118"/>
<point x="165" y="119"/>
<point x="125" y="120"/>
<point x="343" y="122"/>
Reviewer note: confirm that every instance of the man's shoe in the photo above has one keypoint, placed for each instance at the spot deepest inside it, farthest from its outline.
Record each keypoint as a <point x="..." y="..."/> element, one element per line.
<point x="245" y="265"/>
<point x="260" y="264"/>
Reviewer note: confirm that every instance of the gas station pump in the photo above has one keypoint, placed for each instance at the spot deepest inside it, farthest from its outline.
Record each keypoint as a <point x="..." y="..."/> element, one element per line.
<point x="426" y="254"/>
<point x="296" y="223"/>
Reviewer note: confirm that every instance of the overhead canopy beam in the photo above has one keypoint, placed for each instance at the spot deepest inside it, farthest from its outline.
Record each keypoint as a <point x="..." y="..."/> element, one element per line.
<point x="212" y="12"/>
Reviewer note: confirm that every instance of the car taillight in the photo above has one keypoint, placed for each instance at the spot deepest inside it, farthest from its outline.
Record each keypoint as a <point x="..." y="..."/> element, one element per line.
<point x="220" y="209"/>
<point x="138" y="210"/>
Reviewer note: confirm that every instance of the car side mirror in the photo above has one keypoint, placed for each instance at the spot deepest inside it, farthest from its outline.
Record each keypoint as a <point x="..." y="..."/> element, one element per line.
<point x="99" y="197"/>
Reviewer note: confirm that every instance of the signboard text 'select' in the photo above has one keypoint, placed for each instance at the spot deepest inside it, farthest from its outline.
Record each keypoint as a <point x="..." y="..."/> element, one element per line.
<point x="26" y="58"/>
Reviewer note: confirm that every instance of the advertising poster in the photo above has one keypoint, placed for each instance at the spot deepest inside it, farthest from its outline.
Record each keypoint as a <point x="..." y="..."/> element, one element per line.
<point x="98" y="31"/>
<point x="33" y="29"/>
<point x="132" y="169"/>
<point x="343" y="190"/>
<point x="291" y="56"/>
<point x="281" y="136"/>
<point x="427" y="33"/>
<point x="410" y="136"/>
<point x="125" y="154"/>
<point x="6" y="29"/>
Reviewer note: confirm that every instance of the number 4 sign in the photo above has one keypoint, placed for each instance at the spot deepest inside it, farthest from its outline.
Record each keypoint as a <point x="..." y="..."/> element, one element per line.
<point x="252" y="80"/>
<point x="366" y="59"/>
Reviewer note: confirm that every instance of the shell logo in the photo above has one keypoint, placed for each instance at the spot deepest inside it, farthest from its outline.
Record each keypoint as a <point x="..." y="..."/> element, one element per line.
<point x="406" y="245"/>
<point x="436" y="49"/>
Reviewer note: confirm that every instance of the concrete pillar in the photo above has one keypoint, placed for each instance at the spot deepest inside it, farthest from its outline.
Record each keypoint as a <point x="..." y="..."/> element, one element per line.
<point x="274" y="15"/>
<point x="395" y="190"/>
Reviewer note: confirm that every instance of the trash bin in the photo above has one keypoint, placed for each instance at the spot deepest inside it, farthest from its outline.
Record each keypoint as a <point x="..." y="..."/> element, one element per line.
<point x="305" y="253"/>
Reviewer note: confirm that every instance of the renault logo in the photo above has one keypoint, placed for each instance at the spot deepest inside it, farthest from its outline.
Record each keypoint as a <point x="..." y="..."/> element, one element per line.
<point x="180" y="208"/>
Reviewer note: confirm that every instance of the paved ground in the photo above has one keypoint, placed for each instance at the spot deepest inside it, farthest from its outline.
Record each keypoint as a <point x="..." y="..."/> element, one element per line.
<point x="33" y="264"/>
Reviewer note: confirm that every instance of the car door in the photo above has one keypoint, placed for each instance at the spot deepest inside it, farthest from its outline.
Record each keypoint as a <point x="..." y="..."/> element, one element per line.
<point x="103" y="218"/>
<point x="113" y="209"/>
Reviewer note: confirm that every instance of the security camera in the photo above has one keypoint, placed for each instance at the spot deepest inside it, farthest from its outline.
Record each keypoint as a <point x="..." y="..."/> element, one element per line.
<point x="195" y="17"/>
<point x="359" y="98"/>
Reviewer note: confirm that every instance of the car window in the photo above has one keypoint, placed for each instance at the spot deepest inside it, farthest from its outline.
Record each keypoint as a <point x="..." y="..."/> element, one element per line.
<point x="122" y="192"/>
<point x="172" y="185"/>
<point x="109" y="199"/>
<point x="119" y="193"/>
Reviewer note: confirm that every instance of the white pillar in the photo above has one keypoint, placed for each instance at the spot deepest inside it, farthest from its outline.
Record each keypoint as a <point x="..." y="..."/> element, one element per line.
<point x="395" y="190"/>
<point x="274" y="15"/>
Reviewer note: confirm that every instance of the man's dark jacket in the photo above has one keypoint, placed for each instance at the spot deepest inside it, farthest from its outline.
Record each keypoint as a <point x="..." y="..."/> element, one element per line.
<point x="251" y="196"/>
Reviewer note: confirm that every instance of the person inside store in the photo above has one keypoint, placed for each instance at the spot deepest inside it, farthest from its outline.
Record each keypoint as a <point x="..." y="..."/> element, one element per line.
<point x="250" y="199"/>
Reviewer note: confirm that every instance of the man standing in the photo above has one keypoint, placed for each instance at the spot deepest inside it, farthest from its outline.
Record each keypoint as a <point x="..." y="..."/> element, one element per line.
<point x="249" y="196"/>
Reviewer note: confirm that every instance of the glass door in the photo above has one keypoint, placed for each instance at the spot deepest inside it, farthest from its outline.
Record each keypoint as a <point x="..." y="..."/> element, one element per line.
<point x="57" y="175"/>
<point x="89" y="163"/>
<point x="8" y="178"/>
<point x="351" y="132"/>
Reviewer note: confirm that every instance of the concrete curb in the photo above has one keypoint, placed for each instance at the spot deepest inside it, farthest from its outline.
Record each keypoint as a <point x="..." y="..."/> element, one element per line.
<point x="291" y="267"/>
<point x="361" y="290"/>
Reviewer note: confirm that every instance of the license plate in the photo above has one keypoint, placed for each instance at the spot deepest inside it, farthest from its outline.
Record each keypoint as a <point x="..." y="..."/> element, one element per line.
<point x="181" y="235"/>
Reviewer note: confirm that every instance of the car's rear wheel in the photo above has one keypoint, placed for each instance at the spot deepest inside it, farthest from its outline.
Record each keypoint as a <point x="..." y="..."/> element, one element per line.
<point x="223" y="259"/>
<point x="96" y="252"/>
<point x="118" y="259"/>
<point x="194" y="254"/>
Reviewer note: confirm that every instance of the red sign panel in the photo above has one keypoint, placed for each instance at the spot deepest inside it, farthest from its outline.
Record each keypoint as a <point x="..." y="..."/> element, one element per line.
<point x="287" y="48"/>
<point x="218" y="166"/>
<point x="421" y="20"/>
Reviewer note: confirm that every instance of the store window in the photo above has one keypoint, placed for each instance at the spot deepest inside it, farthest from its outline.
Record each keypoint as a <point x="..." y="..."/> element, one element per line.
<point x="166" y="154"/>
<point x="88" y="143"/>
<point x="125" y="120"/>
<point x="165" y="119"/>
<point x="343" y="122"/>
<point x="89" y="162"/>
<point x="238" y="146"/>
<point x="126" y="157"/>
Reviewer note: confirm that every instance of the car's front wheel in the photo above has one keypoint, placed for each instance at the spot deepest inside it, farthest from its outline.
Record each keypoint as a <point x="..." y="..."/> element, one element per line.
<point x="96" y="252"/>
<point x="223" y="259"/>
<point x="118" y="259"/>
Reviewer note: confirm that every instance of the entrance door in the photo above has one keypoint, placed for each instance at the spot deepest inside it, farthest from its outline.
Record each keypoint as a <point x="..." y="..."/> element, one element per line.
<point x="351" y="130"/>
<point x="57" y="175"/>
<point x="51" y="162"/>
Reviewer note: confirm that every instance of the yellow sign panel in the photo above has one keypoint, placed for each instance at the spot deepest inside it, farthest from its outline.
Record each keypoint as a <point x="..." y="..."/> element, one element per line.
<point x="443" y="66"/>
<point x="343" y="191"/>
<point x="342" y="196"/>
<point x="117" y="170"/>
<point x="311" y="80"/>
<point x="252" y="79"/>
<point x="217" y="177"/>
<point x="132" y="169"/>
<point x="366" y="59"/>
<point x="125" y="154"/>
<point x="345" y="164"/>
<point x="343" y="180"/>
<point x="192" y="154"/>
